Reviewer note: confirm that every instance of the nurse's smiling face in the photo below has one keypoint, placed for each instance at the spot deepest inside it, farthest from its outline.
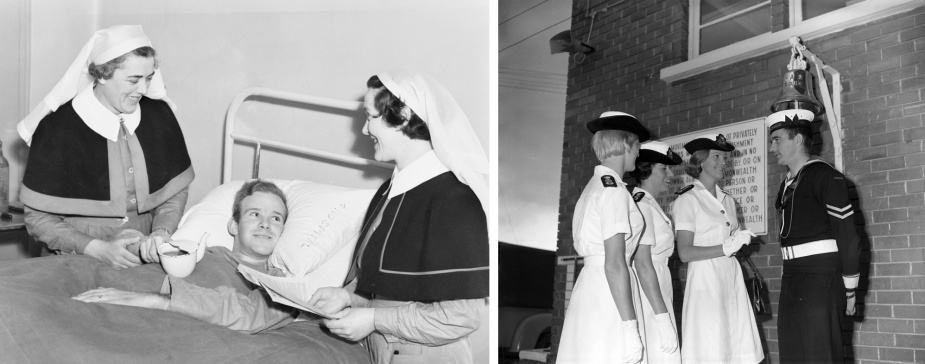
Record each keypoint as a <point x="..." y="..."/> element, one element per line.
<point x="661" y="176"/>
<point x="120" y="93"/>
<point x="715" y="163"/>
<point x="387" y="140"/>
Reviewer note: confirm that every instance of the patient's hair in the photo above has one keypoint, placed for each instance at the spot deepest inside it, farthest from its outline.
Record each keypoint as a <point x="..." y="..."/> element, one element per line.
<point x="104" y="71"/>
<point x="252" y="187"/>
<point x="390" y="107"/>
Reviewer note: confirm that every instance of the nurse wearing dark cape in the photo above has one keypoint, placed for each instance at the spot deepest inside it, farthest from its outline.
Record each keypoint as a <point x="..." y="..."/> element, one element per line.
<point x="420" y="274"/>
<point x="108" y="170"/>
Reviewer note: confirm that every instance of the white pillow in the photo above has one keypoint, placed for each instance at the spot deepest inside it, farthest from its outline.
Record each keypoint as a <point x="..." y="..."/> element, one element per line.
<point x="322" y="226"/>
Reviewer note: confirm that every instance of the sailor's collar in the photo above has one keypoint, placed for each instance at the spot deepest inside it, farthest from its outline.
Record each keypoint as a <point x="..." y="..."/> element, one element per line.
<point x="100" y="119"/>
<point x="423" y="169"/>
<point x="601" y="170"/>
<point x="808" y="162"/>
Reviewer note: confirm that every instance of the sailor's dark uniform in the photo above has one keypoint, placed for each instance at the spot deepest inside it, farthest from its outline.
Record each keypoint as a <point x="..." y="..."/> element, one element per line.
<point x="820" y="247"/>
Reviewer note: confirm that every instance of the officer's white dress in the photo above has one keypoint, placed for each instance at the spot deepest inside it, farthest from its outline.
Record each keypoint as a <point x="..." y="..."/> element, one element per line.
<point x="717" y="322"/>
<point x="659" y="234"/>
<point x="592" y="332"/>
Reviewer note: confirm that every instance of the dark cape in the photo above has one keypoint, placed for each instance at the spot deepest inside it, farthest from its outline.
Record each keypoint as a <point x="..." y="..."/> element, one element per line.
<point x="432" y="244"/>
<point x="72" y="170"/>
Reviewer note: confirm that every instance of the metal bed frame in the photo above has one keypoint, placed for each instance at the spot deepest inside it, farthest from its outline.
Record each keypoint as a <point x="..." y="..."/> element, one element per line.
<point x="231" y="136"/>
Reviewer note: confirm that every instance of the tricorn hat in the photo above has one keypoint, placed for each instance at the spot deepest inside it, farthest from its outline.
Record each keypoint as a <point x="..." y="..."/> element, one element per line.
<point x="707" y="142"/>
<point x="658" y="152"/>
<point x="615" y="120"/>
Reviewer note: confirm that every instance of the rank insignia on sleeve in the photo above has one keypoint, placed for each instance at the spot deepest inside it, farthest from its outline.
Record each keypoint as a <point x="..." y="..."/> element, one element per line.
<point x="609" y="181"/>
<point x="638" y="196"/>
<point x="685" y="189"/>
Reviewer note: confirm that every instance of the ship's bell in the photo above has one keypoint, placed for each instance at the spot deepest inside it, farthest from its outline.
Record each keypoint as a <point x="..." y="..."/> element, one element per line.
<point x="797" y="93"/>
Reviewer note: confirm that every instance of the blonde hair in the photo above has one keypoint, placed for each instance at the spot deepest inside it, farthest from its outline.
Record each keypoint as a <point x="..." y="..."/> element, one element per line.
<point x="692" y="166"/>
<point x="612" y="143"/>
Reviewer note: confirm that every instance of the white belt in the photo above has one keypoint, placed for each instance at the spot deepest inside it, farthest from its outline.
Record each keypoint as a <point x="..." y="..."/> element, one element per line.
<point x="807" y="249"/>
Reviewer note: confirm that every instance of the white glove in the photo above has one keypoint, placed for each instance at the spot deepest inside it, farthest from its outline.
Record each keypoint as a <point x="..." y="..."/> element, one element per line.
<point x="736" y="241"/>
<point x="667" y="337"/>
<point x="633" y="344"/>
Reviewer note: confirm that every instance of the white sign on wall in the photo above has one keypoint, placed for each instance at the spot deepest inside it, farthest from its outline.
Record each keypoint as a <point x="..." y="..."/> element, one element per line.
<point x="746" y="175"/>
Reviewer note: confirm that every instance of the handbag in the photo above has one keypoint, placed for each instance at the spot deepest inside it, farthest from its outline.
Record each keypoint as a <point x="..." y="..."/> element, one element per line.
<point x="758" y="296"/>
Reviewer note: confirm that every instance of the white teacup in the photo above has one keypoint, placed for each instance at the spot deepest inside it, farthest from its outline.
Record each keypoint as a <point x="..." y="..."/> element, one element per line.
<point x="174" y="263"/>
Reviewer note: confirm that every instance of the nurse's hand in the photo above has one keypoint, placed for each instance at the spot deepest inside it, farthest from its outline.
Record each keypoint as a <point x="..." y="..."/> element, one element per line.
<point x="330" y="300"/>
<point x="114" y="252"/>
<point x="736" y="241"/>
<point x="354" y="323"/>
<point x="148" y="251"/>
<point x="667" y="337"/>
<point x="124" y="298"/>
<point x="632" y="343"/>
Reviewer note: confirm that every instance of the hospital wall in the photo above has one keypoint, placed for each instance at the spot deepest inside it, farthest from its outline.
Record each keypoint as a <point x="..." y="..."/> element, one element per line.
<point x="211" y="50"/>
<point x="882" y="63"/>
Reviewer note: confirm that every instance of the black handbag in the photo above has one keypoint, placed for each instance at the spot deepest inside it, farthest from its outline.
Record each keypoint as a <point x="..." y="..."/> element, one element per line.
<point x="758" y="296"/>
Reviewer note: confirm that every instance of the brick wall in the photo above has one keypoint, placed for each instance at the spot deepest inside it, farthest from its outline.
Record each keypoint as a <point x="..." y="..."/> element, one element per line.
<point x="883" y="75"/>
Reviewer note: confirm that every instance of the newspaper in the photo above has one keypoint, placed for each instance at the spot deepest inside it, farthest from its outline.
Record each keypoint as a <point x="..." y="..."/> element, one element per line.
<point x="292" y="292"/>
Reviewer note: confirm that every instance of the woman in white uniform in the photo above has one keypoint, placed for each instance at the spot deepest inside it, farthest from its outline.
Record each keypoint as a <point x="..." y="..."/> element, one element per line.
<point x="717" y="323"/>
<point x="601" y="318"/>
<point x="655" y="247"/>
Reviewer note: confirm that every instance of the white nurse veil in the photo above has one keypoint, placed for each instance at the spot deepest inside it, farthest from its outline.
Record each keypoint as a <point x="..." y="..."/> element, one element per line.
<point x="451" y="135"/>
<point x="104" y="46"/>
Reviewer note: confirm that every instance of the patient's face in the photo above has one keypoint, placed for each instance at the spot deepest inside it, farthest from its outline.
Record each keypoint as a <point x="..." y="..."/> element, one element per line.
<point x="122" y="92"/>
<point x="261" y="223"/>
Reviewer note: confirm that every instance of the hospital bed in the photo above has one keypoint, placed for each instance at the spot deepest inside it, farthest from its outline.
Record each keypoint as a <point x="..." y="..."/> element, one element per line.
<point x="40" y="323"/>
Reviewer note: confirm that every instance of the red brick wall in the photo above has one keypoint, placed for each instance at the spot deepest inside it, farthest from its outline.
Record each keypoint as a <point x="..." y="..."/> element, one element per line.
<point x="883" y="74"/>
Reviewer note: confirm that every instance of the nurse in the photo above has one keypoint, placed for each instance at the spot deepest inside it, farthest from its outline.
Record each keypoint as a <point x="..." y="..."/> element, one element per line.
<point x="717" y="323"/>
<point x="656" y="246"/>
<point x="420" y="273"/>
<point x="601" y="320"/>
<point x="108" y="171"/>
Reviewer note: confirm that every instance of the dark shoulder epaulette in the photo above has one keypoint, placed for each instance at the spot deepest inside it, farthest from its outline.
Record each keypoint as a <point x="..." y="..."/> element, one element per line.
<point x="685" y="189"/>
<point x="638" y="196"/>
<point x="608" y="181"/>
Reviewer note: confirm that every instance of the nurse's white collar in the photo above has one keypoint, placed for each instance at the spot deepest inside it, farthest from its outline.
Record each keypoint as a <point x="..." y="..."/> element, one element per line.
<point x="700" y="185"/>
<point x="421" y="170"/>
<point x="100" y="119"/>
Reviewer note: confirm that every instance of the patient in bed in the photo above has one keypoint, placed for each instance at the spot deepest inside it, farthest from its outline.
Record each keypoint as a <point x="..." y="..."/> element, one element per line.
<point x="258" y="216"/>
<point x="40" y="322"/>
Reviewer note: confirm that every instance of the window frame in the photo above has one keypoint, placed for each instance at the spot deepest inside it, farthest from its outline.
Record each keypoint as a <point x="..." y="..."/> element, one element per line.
<point x="695" y="27"/>
<point x="856" y="14"/>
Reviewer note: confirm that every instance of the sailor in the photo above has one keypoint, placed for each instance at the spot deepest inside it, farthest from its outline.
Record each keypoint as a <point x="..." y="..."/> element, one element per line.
<point x="819" y="245"/>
